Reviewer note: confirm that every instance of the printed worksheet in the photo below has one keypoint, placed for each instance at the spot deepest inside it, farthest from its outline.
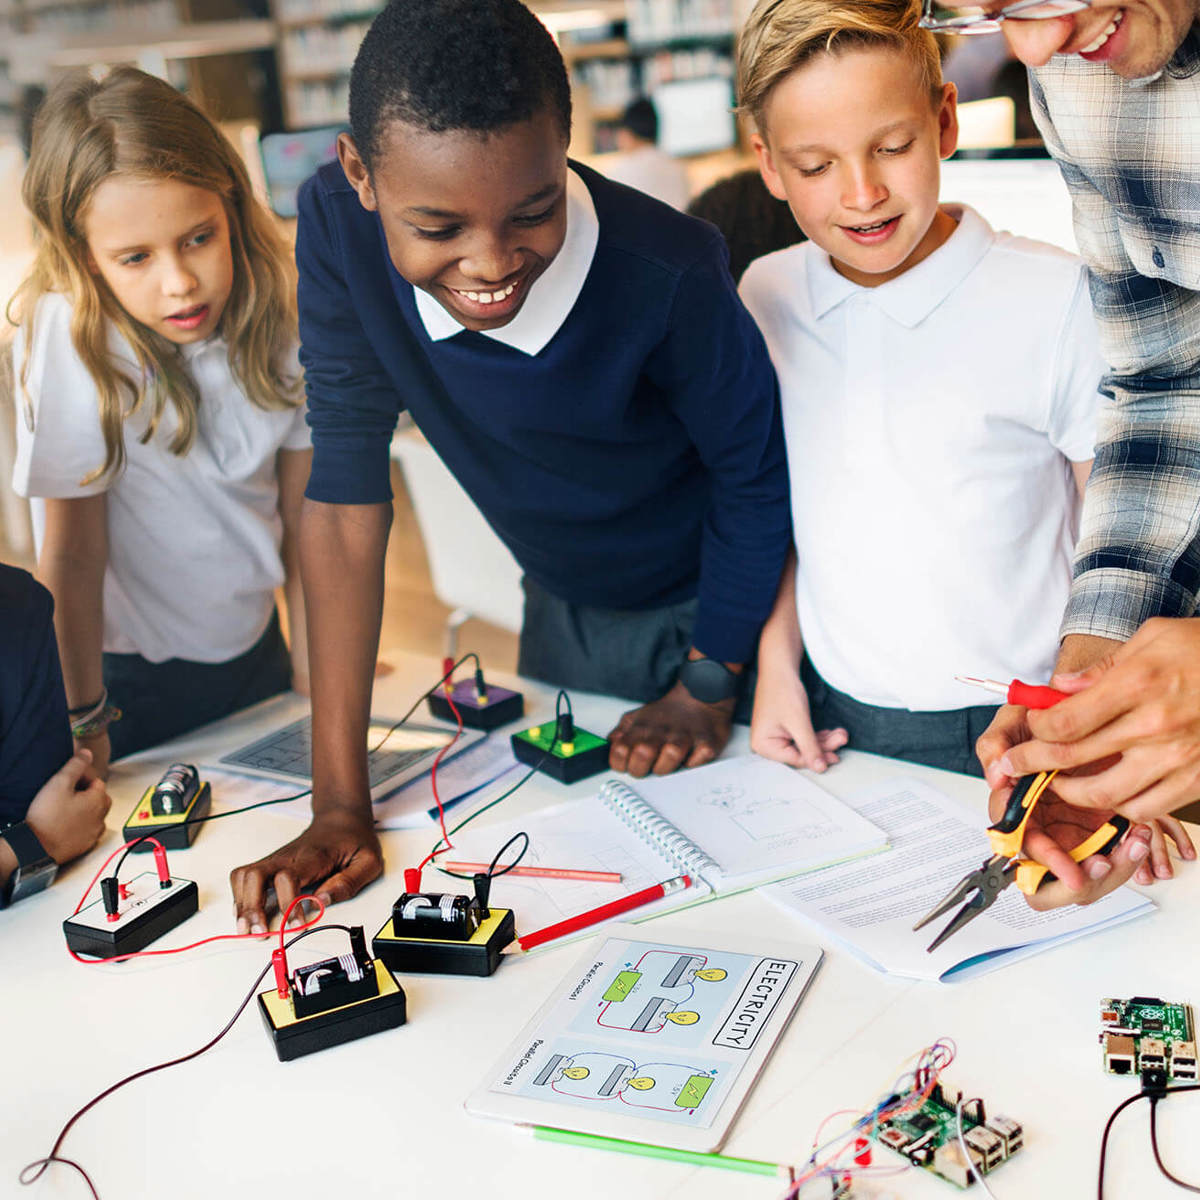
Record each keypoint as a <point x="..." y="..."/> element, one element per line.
<point x="652" y="1032"/>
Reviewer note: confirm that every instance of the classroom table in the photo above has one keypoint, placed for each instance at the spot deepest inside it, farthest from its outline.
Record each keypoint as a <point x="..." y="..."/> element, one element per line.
<point x="383" y="1116"/>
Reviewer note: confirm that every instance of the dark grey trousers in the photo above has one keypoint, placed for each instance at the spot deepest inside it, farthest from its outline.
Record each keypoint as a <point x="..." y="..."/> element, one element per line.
<point x="631" y="654"/>
<point x="943" y="739"/>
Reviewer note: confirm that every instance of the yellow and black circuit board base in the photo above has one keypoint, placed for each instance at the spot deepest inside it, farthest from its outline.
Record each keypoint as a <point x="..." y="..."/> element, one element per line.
<point x="568" y="762"/>
<point x="480" y="955"/>
<point x="296" y="1036"/>
<point x="174" y="831"/>
<point x="497" y="706"/>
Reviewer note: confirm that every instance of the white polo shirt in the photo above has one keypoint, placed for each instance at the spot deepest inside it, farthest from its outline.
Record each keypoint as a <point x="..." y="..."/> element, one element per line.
<point x="193" y="541"/>
<point x="930" y="426"/>
<point x="553" y="294"/>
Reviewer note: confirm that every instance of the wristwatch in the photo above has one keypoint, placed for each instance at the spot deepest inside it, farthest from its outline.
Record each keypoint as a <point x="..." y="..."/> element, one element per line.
<point x="35" y="868"/>
<point x="708" y="681"/>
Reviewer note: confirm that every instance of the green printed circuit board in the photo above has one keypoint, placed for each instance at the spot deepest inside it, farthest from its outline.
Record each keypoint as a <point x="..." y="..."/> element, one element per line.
<point x="1146" y="1033"/>
<point x="928" y="1137"/>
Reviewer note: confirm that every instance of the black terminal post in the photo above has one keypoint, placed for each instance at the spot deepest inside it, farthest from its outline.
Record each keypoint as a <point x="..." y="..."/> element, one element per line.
<point x="483" y="892"/>
<point x="481" y="692"/>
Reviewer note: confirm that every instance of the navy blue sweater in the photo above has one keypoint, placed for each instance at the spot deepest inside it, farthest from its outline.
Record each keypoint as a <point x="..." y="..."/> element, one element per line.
<point x="35" y="735"/>
<point x="635" y="462"/>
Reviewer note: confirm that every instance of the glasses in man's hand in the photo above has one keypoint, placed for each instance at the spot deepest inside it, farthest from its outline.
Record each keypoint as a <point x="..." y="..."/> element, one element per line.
<point x="981" y="18"/>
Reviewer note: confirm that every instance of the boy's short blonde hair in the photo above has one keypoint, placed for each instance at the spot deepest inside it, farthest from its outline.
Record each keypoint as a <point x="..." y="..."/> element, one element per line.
<point x="781" y="35"/>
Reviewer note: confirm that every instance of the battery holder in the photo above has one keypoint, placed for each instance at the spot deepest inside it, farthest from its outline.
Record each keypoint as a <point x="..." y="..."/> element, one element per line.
<point x="172" y="829"/>
<point x="478" y="955"/>
<point x="342" y="1010"/>
<point x="487" y="709"/>
<point x="145" y="911"/>
<point x="568" y="760"/>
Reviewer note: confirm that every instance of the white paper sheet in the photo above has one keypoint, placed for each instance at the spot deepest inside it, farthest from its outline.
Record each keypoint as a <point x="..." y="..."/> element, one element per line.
<point x="870" y="906"/>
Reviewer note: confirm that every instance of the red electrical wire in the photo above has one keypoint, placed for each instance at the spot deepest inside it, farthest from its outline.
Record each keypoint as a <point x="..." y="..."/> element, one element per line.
<point x="448" y="845"/>
<point x="220" y="937"/>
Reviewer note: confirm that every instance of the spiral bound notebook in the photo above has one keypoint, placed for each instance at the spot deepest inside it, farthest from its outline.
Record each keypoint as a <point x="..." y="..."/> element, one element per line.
<point x="733" y="825"/>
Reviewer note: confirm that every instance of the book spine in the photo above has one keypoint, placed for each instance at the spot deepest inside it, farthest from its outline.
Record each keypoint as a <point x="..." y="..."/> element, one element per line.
<point x="654" y="828"/>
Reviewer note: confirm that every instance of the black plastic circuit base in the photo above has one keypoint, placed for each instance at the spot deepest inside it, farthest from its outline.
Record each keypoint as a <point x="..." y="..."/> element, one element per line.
<point x="567" y="764"/>
<point x="499" y="706"/>
<point x="155" y="912"/>
<point x="173" y="831"/>
<point x="478" y="956"/>
<point x="295" y="1036"/>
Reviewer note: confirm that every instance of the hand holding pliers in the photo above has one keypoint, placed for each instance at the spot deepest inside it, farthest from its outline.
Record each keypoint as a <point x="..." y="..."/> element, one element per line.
<point x="979" y="888"/>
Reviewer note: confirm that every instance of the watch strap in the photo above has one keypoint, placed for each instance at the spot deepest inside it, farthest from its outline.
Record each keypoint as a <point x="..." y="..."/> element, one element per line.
<point x="32" y="860"/>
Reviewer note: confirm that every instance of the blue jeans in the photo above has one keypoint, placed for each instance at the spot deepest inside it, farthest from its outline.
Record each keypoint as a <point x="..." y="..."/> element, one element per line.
<point x="161" y="701"/>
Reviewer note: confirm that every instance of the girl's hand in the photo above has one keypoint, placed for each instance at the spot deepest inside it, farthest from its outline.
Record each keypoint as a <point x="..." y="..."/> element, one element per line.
<point x="99" y="748"/>
<point x="67" y="815"/>
<point x="782" y="728"/>
<point x="1158" y="865"/>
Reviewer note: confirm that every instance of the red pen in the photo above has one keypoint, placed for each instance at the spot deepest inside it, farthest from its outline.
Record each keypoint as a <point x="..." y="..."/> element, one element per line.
<point x="613" y="909"/>
<point x="1028" y="695"/>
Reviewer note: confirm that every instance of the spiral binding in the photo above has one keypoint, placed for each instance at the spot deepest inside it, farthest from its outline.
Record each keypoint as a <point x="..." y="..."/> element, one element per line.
<point x="654" y="828"/>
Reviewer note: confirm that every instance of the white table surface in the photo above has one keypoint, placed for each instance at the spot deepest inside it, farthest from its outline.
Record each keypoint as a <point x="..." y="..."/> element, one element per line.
<point x="383" y="1116"/>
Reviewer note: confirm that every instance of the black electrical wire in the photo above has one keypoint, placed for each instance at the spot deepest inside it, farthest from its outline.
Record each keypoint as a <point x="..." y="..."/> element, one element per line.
<point x="1187" y="1187"/>
<point x="233" y="812"/>
<point x="533" y="770"/>
<point x="32" y="1172"/>
<point x="492" y="873"/>
<point x="1153" y="1097"/>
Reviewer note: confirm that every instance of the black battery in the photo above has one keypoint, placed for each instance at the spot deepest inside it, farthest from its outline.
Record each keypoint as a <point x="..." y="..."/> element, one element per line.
<point x="436" y="915"/>
<point x="332" y="983"/>
<point x="175" y="790"/>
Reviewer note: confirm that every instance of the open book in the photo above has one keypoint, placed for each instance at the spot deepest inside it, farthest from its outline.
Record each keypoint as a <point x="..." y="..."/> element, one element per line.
<point x="871" y="907"/>
<point x="732" y="825"/>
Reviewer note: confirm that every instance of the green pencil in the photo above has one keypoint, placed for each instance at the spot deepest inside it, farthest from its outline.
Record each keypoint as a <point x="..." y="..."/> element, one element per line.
<point x="749" y="1166"/>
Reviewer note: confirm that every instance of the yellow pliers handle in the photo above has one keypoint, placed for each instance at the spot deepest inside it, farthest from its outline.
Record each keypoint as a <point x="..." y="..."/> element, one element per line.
<point x="1007" y="835"/>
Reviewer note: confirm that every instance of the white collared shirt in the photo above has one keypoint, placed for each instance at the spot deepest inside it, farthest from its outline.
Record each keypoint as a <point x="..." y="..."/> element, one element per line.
<point x="930" y="425"/>
<point x="193" y="541"/>
<point x="553" y="294"/>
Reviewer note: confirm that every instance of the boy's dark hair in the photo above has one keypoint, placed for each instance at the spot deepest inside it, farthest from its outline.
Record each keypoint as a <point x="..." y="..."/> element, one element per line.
<point x="478" y="65"/>
<point x="752" y="220"/>
<point x="641" y="119"/>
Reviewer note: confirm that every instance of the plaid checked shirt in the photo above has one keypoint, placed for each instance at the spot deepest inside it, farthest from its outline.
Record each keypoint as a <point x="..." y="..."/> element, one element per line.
<point x="1130" y="154"/>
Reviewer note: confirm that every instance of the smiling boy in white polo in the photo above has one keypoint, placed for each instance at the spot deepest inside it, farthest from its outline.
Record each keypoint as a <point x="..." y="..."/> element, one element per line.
<point x="935" y="469"/>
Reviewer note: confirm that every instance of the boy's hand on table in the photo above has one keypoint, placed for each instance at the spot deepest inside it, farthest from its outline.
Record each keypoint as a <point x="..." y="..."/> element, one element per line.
<point x="67" y="815"/>
<point x="334" y="858"/>
<point x="782" y="728"/>
<point x="676" y="731"/>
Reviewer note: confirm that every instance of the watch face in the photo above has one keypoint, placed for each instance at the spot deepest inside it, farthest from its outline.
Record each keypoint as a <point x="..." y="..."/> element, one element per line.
<point x="708" y="680"/>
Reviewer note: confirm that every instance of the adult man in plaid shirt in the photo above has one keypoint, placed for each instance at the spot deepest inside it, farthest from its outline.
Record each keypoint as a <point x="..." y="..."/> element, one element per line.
<point x="1116" y="94"/>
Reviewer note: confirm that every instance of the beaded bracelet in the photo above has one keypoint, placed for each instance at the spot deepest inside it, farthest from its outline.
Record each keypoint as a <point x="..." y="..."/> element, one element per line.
<point x="93" y="718"/>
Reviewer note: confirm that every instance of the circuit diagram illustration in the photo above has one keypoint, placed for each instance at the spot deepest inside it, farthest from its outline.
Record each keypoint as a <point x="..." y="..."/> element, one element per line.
<point x="662" y="986"/>
<point x="594" y="1075"/>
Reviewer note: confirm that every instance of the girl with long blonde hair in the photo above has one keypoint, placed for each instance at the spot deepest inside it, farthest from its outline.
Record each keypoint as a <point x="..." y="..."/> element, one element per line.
<point x="161" y="426"/>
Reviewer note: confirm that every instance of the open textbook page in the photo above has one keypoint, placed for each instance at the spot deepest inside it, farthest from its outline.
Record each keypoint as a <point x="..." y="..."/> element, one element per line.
<point x="870" y="906"/>
<point x="731" y="825"/>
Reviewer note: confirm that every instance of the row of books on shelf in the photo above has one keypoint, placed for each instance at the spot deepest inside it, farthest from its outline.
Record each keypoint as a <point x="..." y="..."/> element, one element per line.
<point x="323" y="47"/>
<point x="672" y="20"/>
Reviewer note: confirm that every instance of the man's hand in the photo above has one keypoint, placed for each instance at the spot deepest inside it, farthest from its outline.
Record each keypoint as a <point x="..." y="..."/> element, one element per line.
<point x="339" y="854"/>
<point x="677" y="730"/>
<point x="782" y="728"/>
<point x="1138" y="706"/>
<point x="67" y="815"/>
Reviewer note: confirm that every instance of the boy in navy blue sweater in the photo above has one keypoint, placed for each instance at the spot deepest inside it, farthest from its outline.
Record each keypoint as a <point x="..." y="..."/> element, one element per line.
<point x="577" y="355"/>
<point x="52" y="804"/>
